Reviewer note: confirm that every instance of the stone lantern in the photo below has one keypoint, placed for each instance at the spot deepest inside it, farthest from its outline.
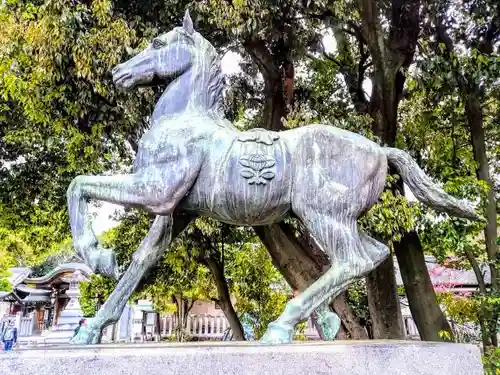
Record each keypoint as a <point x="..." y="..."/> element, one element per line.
<point x="68" y="318"/>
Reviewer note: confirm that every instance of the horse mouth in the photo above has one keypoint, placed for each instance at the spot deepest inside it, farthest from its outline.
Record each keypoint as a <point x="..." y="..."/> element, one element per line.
<point x="123" y="79"/>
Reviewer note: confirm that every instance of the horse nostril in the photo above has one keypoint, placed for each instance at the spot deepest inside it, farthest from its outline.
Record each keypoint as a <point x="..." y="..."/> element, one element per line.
<point x="114" y="70"/>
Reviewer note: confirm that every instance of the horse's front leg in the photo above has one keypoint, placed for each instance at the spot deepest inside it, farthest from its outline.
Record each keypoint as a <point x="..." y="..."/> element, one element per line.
<point x="149" y="252"/>
<point x="157" y="189"/>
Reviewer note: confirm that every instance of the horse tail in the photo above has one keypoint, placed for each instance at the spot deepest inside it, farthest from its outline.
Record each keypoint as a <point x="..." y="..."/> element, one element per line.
<point x="424" y="189"/>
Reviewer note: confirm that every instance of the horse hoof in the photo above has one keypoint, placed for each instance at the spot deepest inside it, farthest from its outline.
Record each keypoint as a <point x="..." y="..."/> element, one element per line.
<point x="85" y="336"/>
<point x="277" y="333"/>
<point x="106" y="264"/>
<point x="329" y="323"/>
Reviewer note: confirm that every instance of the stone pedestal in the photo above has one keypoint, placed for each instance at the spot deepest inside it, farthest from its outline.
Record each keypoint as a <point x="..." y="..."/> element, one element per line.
<point x="228" y="358"/>
<point x="68" y="319"/>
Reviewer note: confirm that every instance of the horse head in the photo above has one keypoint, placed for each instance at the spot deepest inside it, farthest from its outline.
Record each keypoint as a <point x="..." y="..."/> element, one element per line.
<point x="167" y="56"/>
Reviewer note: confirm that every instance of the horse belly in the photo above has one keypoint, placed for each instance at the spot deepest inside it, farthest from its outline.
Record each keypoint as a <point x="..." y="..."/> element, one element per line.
<point x="252" y="184"/>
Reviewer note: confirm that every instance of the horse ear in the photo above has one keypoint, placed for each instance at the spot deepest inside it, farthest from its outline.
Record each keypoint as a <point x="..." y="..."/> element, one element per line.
<point x="188" y="23"/>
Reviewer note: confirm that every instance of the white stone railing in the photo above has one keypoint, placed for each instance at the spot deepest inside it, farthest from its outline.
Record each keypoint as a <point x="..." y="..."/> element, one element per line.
<point x="410" y="328"/>
<point x="202" y="326"/>
<point x="199" y="326"/>
<point x="208" y="327"/>
<point x="26" y="325"/>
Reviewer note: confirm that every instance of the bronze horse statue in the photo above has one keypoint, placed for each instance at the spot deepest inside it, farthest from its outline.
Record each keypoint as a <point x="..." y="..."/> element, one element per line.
<point x="193" y="162"/>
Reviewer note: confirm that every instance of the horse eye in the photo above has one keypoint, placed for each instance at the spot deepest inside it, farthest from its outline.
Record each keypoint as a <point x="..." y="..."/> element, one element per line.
<point x="157" y="43"/>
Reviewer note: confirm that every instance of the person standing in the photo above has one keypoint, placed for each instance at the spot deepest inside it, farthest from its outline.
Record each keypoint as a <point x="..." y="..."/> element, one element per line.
<point x="9" y="336"/>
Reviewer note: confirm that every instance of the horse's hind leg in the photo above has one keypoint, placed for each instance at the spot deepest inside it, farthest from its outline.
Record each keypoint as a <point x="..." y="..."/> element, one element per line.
<point x="350" y="258"/>
<point x="335" y="238"/>
<point x="152" y="247"/>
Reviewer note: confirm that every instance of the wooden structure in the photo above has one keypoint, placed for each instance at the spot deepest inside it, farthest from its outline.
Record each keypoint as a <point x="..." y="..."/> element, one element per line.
<point x="41" y="299"/>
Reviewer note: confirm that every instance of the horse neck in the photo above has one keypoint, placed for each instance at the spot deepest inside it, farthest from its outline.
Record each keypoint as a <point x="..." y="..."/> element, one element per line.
<point x="182" y="96"/>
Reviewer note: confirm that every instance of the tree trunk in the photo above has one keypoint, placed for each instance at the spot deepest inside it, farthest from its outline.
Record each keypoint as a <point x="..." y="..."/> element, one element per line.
<point x="183" y="308"/>
<point x="424" y="307"/>
<point x="274" y="107"/>
<point x="485" y="337"/>
<point x="385" y="312"/>
<point x="343" y="333"/>
<point x="179" y="315"/>
<point x="224" y="298"/>
<point x="383" y="300"/>
<point x="270" y="68"/>
<point x="391" y="55"/>
<point x="474" y="115"/>
<point x="158" y="327"/>
<point x="297" y="267"/>
<point x="349" y="321"/>
<point x="187" y="306"/>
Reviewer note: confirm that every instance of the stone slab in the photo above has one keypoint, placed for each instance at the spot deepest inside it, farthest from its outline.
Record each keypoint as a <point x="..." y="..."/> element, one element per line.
<point x="221" y="358"/>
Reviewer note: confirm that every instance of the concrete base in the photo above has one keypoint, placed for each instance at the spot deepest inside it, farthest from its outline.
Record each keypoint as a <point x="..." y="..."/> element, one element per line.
<point x="336" y="358"/>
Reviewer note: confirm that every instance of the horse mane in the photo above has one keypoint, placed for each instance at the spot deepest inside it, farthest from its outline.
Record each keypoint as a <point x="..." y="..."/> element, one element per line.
<point x="216" y="80"/>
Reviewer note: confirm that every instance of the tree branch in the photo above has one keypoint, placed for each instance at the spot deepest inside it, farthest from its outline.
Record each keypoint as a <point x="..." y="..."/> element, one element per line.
<point x="362" y="66"/>
<point x="491" y="34"/>
<point x="404" y="30"/>
<point x="369" y="15"/>
<point x="261" y="55"/>
<point x="442" y="34"/>
<point x="356" y="31"/>
<point x="477" y="271"/>
<point x="329" y="57"/>
<point x="190" y="305"/>
<point x="353" y="73"/>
